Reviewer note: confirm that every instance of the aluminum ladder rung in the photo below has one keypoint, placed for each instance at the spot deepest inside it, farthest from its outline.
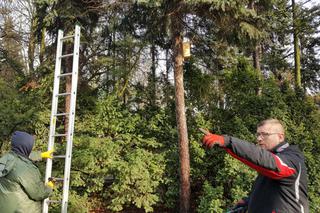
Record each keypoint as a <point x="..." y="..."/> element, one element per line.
<point x="66" y="55"/>
<point x="54" y="201"/>
<point x="61" y="114"/>
<point x="57" y="179"/>
<point x="63" y="94"/>
<point x="59" y="156"/>
<point x="67" y="37"/>
<point x="65" y="74"/>
<point x="60" y="135"/>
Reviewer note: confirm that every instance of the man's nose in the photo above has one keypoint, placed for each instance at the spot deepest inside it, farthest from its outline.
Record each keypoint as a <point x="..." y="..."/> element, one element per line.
<point x="259" y="139"/>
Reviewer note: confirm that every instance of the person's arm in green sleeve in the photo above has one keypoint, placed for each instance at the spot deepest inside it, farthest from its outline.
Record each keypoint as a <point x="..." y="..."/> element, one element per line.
<point x="36" y="156"/>
<point x="33" y="184"/>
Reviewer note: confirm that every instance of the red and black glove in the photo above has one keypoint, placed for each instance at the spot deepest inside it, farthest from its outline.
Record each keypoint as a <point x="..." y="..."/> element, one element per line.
<point x="209" y="140"/>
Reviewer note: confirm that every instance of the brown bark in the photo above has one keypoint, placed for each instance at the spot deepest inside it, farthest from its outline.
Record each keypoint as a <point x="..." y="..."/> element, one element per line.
<point x="256" y="53"/>
<point x="68" y="68"/>
<point x="297" y="52"/>
<point x="31" y="46"/>
<point x="256" y="58"/>
<point x="42" y="44"/>
<point x="257" y="49"/>
<point x="153" y="75"/>
<point x="176" y="29"/>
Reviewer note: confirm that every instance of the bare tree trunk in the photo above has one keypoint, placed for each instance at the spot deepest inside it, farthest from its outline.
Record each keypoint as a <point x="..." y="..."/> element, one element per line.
<point x="257" y="48"/>
<point x="167" y="66"/>
<point x="176" y="29"/>
<point x="256" y="64"/>
<point x="42" y="44"/>
<point x="114" y="56"/>
<point x="31" y="46"/>
<point x="68" y="68"/>
<point x="256" y="53"/>
<point x="153" y="96"/>
<point x="297" y="62"/>
<point x="256" y="58"/>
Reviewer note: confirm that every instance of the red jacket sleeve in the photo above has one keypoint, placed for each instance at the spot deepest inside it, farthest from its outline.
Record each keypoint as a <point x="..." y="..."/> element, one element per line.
<point x="261" y="160"/>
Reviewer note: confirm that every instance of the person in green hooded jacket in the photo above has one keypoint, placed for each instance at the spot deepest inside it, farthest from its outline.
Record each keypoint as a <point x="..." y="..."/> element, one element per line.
<point x="22" y="189"/>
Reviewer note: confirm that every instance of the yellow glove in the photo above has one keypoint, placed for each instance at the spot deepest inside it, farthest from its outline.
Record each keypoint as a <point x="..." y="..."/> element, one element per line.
<point x="50" y="184"/>
<point x="47" y="154"/>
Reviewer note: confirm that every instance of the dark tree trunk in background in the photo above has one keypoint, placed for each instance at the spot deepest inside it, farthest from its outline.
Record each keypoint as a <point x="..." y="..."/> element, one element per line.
<point x="297" y="61"/>
<point x="256" y="58"/>
<point x="153" y="75"/>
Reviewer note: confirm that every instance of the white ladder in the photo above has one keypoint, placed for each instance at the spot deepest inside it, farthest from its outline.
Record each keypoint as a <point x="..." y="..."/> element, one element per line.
<point x="58" y="75"/>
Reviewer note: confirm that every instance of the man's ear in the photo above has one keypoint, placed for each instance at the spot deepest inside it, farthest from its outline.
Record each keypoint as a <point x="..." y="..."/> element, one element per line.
<point x="281" y="137"/>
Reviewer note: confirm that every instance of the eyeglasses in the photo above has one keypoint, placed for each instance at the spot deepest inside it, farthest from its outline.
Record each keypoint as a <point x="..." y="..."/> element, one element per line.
<point x="265" y="134"/>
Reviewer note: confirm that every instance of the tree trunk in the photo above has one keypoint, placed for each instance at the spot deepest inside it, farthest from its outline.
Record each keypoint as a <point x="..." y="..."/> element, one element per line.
<point x="297" y="62"/>
<point x="176" y="29"/>
<point x="167" y="65"/>
<point x="256" y="52"/>
<point x="68" y="68"/>
<point x="256" y="64"/>
<point x="31" y="46"/>
<point x="42" y="44"/>
<point x="153" y="96"/>
<point x="256" y="58"/>
<point x="114" y="57"/>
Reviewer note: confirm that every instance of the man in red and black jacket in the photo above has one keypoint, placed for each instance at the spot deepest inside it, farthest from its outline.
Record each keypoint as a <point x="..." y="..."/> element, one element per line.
<point x="281" y="185"/>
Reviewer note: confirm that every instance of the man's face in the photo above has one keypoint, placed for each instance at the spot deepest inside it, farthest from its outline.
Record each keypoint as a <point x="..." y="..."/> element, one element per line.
<point x="269" y="136"/>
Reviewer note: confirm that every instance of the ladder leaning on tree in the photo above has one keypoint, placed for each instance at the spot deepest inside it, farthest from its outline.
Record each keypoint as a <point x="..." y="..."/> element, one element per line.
<point x="58" y="96"/>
